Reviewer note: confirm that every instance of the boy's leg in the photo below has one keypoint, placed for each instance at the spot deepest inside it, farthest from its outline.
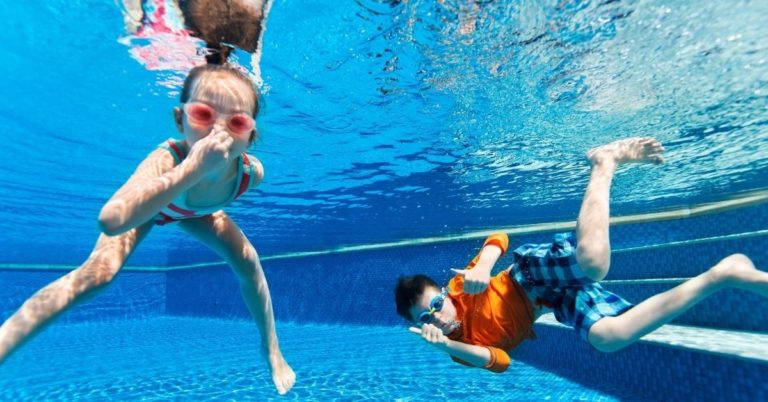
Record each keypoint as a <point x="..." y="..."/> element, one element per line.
<point x="735" y="271"/>
<point x="593" y="252"/>
<point x="224" y="237"/>
<point x="102" y="265"/>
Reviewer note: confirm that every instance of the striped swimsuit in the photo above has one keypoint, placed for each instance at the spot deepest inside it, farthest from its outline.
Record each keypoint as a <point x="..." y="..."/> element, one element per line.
<point x="178" y="208"/>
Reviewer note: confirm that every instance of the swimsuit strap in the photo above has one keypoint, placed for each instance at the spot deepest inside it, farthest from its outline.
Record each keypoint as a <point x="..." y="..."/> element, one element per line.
<point x="177" y="148"/>
<point x="245" y="181"/>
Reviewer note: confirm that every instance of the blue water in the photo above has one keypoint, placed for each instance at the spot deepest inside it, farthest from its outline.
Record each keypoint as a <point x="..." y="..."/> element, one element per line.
<point x="384" y="121"/>
<point x="199" y="359"/>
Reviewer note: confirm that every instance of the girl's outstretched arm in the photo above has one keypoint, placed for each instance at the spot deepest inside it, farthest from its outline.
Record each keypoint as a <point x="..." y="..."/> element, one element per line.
<point x="157" y="182"/>
<point x="154" y="184"/>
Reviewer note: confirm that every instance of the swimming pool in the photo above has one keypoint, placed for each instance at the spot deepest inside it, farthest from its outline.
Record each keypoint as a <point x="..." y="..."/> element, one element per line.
<point x="166" y="358"/>
<point x="182" y="331"/>
<point x="393" y="137"/>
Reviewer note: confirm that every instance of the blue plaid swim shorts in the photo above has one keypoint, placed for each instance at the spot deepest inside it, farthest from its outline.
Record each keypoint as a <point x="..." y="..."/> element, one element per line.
<point x="551" y="277"/>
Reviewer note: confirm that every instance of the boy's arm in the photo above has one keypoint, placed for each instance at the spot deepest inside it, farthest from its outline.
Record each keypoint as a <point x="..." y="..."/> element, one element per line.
<point x="490" y="358"/>
<point x="477" y="274"/>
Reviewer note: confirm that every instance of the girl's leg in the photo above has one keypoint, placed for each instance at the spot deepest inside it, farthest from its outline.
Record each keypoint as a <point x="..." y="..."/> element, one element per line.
<point x="735" y="271"/>
<point x="223" y="236"/>
<point x="102" y="265"/>
<point x="593" y="252"/>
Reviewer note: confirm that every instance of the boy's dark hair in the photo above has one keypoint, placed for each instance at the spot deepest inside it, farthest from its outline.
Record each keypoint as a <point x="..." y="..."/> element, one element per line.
<point x="408" y="290"/>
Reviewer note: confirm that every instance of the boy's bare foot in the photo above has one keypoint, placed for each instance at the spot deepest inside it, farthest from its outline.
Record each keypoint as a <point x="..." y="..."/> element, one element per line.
<point x="635" y="149"/>
<point x="738" y="271"/>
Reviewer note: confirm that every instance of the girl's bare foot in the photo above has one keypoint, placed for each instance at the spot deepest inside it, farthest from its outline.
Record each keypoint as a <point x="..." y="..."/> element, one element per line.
<point x="282" y="374"/>
<point x="635" y="149"/>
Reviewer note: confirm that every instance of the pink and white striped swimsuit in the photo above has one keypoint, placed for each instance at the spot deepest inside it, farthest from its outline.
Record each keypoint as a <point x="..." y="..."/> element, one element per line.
<point x="178" y="208"/>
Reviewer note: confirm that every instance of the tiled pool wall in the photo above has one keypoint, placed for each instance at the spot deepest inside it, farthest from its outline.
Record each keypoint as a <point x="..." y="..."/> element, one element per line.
<point x="653" y="372"/>
<point x="357" y="288"/>
<point x="131" y="295"/>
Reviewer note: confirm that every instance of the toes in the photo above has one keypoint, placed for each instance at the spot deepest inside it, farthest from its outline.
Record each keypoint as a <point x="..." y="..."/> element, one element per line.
<point x="284" y="385"/>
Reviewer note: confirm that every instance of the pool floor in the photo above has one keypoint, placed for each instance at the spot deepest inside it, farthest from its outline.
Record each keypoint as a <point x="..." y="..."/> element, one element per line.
<point x="163" y="358"/>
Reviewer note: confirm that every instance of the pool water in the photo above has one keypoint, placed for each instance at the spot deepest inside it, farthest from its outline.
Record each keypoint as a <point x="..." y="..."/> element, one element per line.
<point x="383" y="123"/>
<point x="386" y="123"/>
<point x="185" y="358"/>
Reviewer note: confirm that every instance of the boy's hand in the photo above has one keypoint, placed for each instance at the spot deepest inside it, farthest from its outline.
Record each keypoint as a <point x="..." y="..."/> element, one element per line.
<point x="475" y="280"/>
<point x="212" y="152"/>
<point x="431" y="334"/>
